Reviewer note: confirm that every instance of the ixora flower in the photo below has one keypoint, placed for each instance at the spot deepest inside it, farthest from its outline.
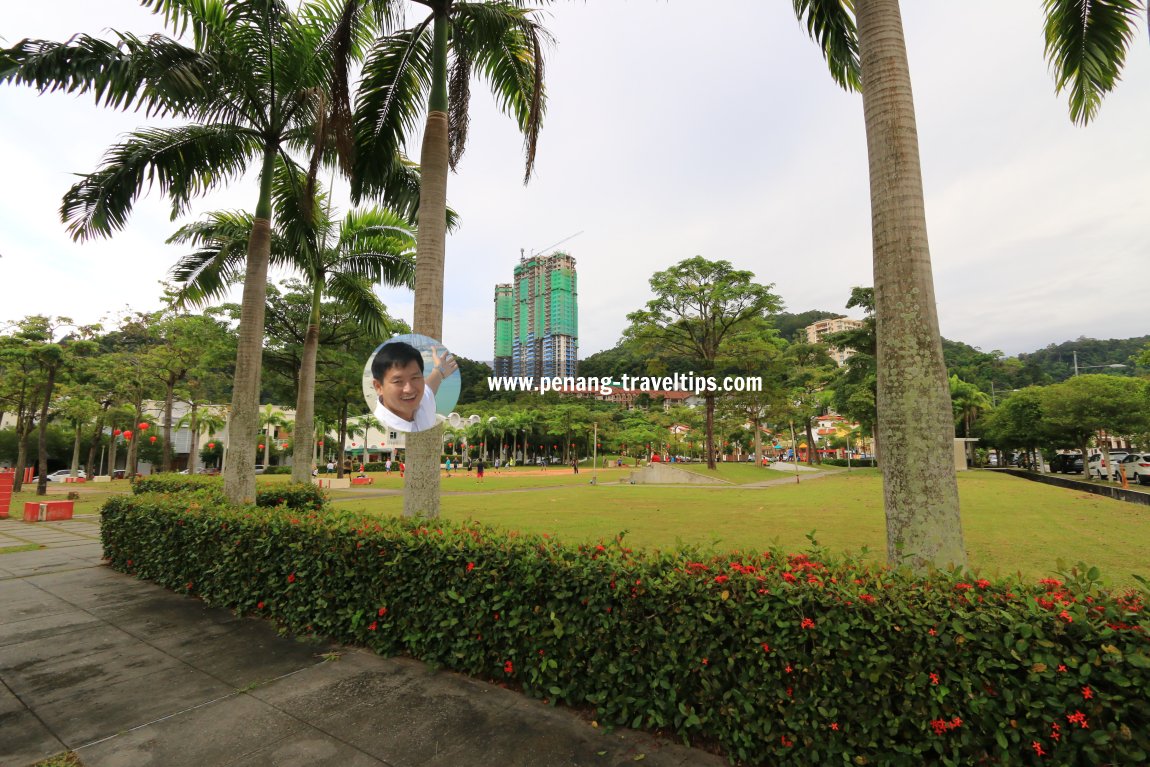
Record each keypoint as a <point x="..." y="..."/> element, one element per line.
<point x="259" y="605"/>
<point x="807" y="624"/>
<point x="508" y="668"/>
<point x="291" y="577"/>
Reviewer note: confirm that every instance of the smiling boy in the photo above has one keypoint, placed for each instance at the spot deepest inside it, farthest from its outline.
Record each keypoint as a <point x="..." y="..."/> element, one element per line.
<point x="406" y="397"/>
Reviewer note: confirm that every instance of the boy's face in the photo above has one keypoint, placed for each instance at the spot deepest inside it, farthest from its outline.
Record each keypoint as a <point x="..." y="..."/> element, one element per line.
<point x="401" y="389"/>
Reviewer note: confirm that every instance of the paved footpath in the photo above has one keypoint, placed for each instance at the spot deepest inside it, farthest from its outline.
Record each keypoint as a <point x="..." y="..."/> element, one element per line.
<point x="128" y="674"/>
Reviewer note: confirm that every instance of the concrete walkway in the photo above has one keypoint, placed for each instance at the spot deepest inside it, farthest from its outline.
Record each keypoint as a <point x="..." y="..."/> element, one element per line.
<point x="125" y="673"/>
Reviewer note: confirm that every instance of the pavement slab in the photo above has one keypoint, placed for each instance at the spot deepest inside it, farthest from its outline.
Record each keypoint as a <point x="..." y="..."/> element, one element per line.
<point x="127" y="673"/>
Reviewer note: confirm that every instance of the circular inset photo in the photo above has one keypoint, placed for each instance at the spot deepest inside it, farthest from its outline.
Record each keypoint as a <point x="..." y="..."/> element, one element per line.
<point x="411" y="382"/>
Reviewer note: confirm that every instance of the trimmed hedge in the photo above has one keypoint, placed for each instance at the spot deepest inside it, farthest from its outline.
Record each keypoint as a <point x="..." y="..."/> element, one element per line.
<point x="856" y="463"/>
<point x="776" y="658"/>
<point x="295" y="496"/>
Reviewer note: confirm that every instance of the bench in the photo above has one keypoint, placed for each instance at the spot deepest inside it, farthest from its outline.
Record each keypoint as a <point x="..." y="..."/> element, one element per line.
<point x="47" y="511"/>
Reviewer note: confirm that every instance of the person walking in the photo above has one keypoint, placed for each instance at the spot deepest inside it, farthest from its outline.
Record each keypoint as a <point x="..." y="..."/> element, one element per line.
<point x="479" y="470"/>
<point x="575" y="465"/>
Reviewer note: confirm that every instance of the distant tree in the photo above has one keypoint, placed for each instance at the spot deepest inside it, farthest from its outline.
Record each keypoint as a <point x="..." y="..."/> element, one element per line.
<point x="1018" y="422"/>
<point x="1079" y="409"/>
<point x="968" y="401"/>
<point x="699" y="306"/>
<point x="854" y="388"/>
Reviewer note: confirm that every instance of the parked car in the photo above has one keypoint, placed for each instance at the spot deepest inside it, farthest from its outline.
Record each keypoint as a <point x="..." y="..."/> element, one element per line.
<point x="1137" y="468"/>
<point x="1101" y="469"/>
<point x="62" y="474"/>
<point x="1066" y="463"/>
<point x="260" y="468"/>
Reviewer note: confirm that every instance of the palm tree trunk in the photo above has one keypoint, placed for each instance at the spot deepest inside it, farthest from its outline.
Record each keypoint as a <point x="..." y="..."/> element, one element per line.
<point x="96" y="439"/>
<point x="304" y="430"/>
<point x="239" y="471"/>
<point x="169" y="400"/>
<point x="23" y="431"/>
<point x="710" y="430"/>
<point x="194" y="428"/>
<point x="421" y="486"/>
<point x="76" y="450"/>
<point x="916" y="424"/>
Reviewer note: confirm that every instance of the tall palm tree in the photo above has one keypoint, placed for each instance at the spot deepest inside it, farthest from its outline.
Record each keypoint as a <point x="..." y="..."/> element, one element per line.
<point x="432" y="63"/>
<point x="339" y="259"/>
<point x="1086" y="44"/>
<point x="253" y="83"/>
<point x="915" y="424"/>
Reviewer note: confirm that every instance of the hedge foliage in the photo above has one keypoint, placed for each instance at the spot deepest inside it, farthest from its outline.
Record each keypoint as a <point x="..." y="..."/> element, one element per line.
<point x="776" y="658"/>
<point x="856" y="463"/>
<point x="295" y="496"/>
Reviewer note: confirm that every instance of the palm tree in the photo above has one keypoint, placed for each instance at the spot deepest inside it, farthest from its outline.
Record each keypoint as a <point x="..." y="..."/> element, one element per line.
<point x="915" y="424"/>
<point x="967" y="401"/>
<point x="341" y="260"/>
<point x="199" y="422"/>
<point x="500" y="42"/>
<point x="253" y="84"/>
<point x="270" y="420"/>
<point x="1086" y="46"/>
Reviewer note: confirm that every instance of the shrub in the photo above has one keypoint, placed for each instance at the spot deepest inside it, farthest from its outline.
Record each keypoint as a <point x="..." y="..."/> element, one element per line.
<point x="277" y="470"/>
<point x="856" y="463"/>
<point x="297" y="497"/>
<point x="779" y="659"/>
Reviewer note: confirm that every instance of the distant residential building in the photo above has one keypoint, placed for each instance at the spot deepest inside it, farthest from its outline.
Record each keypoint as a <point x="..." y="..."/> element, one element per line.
<point x="504" y="329"/>
<point x="544" y="318"/>
<point x="817" y="331"/>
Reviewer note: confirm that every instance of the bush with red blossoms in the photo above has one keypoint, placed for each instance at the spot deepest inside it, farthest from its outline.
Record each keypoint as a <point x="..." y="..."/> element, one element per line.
<point x="776" y="658"/>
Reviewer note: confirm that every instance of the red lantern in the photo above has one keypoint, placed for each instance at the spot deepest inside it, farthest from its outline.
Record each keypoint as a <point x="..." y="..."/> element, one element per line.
<point x="116" y="432"/>
<point x="283" y="446"/>
<point x="353" y="444"/>
<point x="261" y="447"/>
<point x="211" y="446"/>
<point x="320" y="443"/>
<point x="127" y="435"/>
<point x="152" y="439"/>
<point x="143" y="426"/>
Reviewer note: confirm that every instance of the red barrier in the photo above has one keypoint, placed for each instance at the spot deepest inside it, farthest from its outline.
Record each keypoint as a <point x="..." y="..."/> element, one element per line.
<point x="7" y="479"/>
<point x="47" y="511"/>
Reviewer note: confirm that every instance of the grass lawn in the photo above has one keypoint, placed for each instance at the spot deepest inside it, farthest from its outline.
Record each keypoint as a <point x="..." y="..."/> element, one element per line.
<point x="1010" y="524"/>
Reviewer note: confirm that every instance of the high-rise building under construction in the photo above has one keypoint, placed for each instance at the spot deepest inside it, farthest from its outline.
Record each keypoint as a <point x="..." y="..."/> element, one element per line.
<point x="537" y="319"/>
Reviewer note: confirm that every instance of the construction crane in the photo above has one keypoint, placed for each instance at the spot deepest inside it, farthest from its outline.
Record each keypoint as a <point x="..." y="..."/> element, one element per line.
<point x="551" y="246"/>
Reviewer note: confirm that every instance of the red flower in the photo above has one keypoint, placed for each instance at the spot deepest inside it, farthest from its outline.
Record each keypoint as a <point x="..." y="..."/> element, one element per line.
<point x="934" y="678"/>
<point x="1038" y="748"/>
<point x="766" y="647"/>
<point x="787" y="743"/>
<point x="470" y="566"/>
<point x="1061" y="669"/>
<point x="962" y="587"/>
<point x="259" y="605"/>
<point x="372" y="626"/>
<point x="807" y="623"/>
<point x="867" y="598"/>
<point x="704" y="661"/>
<point x="1087" y="693"/>
<point x="933" y="632"/>
<point x="291" y="578"/>
<point x="835" y="726"/>
<point x="789" y="669"/>
<point x="508" y="668"/>
<point x="722" y="578"/>
<point x="1065" y="616"/>
<point x="982" y="583"/>
<point x="1079" y="719"/>
<point x="383" y="611"/>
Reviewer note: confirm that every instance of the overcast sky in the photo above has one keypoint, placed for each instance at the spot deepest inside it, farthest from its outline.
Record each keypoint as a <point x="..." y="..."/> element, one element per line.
<point x="673" y="132"/>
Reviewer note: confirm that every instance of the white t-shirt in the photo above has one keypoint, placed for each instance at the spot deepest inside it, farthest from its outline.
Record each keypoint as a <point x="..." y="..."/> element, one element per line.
<point x="424" y="417"/>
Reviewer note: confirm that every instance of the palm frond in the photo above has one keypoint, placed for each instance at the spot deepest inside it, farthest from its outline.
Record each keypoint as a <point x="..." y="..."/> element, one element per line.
<point x="155" y="73"/>
<point x="396" y="78"/>
<point x="359" y="298"/>
<point x="1086" y="44"/>
<point x="183" y="162"/>
<point x="217" y="263"/>
<point x="830" y="23"/>
<point x="459" y="100"/>
<point x="505" y="45"/>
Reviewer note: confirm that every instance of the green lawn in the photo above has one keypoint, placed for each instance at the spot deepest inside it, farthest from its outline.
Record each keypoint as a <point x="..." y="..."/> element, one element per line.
<point x="1010" y="524"/>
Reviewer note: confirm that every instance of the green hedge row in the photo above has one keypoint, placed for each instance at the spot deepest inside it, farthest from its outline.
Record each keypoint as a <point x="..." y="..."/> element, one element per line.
<point x="776" y="658"/>
<point x="297" y="497"/>
<point x="856" y="463"/>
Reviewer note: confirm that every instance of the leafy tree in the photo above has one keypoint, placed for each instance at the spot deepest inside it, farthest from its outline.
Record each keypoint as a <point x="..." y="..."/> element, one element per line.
<point x="699" y="306"/>
<point x="809" y="370"/>
<point x="854" y="389"/>
<point x="432" y="63"/>
<point x="1078" y="409"/>
<point x="253" y="83"/>
<point x="915" y="426"/>
<point x="1018" y="422"/>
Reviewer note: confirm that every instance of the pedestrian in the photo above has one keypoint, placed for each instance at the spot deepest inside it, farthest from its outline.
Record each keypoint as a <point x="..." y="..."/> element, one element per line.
<point x="387" y="466"/>
<point x="479" y="470"/>
<point x="401" y="469"/>
<point x="331" y="467"/>
<point x="447" y="466"/>
<point x="575" y="464"/>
